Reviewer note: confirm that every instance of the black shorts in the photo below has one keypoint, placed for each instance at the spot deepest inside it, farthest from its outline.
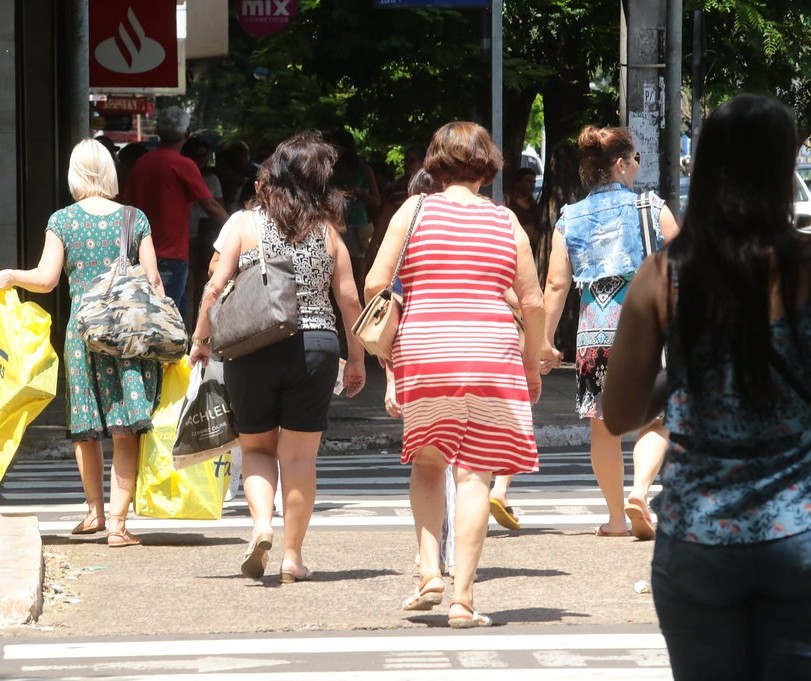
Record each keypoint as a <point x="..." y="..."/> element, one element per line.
<point x="288" y="384"/>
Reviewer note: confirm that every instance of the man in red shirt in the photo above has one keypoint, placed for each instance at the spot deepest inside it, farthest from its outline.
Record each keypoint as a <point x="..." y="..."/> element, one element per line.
<point x="164" y="184"/>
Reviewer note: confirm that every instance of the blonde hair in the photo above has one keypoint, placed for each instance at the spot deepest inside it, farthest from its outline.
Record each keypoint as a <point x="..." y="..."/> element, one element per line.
<point x="92" y="171"/>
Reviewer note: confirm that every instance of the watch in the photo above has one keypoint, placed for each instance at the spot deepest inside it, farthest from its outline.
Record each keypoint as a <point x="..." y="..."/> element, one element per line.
<point x="201" y="341"/>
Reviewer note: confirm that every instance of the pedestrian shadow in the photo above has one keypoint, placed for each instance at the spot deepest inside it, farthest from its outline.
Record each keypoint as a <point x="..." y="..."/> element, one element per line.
<point x="523" y="532"/>
<point x="147" y="538"/>
<point x="502" y="618"/>
<point x="485" y="574"/>
<point x="342" y="575"/>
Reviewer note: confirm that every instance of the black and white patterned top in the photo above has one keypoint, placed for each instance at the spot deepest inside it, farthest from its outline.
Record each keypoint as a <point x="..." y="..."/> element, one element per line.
<point x="313" y="266"/>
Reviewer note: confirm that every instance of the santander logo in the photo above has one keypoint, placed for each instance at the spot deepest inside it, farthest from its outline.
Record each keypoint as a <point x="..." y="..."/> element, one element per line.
<point x="131" y="51"/>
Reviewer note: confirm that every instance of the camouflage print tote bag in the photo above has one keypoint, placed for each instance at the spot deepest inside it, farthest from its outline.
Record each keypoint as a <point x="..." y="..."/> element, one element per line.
<point x="121" y="315"/>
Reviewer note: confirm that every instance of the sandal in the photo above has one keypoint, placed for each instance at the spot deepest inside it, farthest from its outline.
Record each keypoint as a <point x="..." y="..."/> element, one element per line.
<point x="256" y="559"/>
<point x="504" y="515"/>
<point x="426" y="595"/>
<point x="292" y="576"/>
<point x="122" y="537"/>
<point x="475" y="619"/>
<point x="641" y="526"/>
<point x="91" y="524"/>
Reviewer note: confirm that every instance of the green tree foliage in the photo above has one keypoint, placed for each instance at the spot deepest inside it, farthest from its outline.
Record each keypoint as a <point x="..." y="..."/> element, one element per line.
<point x="757" y="46"/>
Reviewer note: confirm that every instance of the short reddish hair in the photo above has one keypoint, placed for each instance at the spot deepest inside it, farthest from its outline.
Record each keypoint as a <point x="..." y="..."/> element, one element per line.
<point x="462" y="151"/>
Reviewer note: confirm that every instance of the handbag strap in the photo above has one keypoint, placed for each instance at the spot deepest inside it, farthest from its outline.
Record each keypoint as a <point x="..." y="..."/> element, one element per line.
<point x="260" y="233"/>
<point x="407" y="239"/>
<point x="125" y="240"/>
<point x="645" y="208"/>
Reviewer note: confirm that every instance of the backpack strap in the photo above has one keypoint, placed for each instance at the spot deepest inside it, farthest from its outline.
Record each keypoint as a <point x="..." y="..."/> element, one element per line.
<point x="646" y="228"/>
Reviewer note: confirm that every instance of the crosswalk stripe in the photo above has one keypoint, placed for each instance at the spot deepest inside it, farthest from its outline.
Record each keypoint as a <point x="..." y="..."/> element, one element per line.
<point x="326" y="645"/>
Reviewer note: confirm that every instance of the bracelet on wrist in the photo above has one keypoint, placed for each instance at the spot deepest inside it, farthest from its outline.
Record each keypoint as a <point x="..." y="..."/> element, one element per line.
<point x="201" y="341"/>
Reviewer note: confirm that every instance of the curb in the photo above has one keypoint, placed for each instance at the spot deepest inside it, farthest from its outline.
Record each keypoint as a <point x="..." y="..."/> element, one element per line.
<point x="21" y="571"/>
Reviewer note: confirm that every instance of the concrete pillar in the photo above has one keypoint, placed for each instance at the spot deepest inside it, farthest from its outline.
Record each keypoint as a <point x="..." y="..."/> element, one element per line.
<point x="642" y="82"/>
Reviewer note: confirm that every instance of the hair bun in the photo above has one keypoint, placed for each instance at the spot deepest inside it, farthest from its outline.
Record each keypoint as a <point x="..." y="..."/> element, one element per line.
<point x="590" y="138"/>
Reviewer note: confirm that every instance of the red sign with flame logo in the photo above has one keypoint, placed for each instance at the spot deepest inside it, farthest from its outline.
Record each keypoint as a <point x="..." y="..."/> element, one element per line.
<point x="133" y="43"/>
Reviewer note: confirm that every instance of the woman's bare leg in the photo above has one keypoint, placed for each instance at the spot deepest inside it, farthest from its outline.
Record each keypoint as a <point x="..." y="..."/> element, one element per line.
<point x="297" y="456"/>
<point x="472" y="517"/>
<point x="90" y="461"/>
<point x="609" y="469"/>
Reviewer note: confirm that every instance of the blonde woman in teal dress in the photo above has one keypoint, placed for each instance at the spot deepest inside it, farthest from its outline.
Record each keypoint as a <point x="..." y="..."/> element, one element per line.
<point x="105" y="396"/>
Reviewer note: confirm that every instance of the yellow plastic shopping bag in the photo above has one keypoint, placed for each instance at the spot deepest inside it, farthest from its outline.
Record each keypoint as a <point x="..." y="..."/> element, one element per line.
<point x="194" y="493"/>
<point x="29" y="369"/>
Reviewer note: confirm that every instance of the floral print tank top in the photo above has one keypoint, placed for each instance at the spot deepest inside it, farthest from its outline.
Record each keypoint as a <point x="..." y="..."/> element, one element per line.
<point x="313" y="266"/>
<point x="733" y="475"/>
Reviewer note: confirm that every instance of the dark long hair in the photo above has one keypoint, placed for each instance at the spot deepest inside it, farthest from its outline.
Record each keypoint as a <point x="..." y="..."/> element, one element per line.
<point x="294" y="186"/>
<point x="738" y="235"/>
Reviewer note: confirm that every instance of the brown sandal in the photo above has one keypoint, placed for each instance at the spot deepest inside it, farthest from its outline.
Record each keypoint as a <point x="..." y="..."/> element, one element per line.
<point x="121" y="537"/>
<point x="426" y="598"/>
<point x="90" y="524"/>
<point x="474" y="619"/>
<point x="118" y="538"/>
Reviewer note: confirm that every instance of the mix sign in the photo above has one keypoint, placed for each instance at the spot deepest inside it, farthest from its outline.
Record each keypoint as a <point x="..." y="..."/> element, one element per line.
<point x="262" y="18"/>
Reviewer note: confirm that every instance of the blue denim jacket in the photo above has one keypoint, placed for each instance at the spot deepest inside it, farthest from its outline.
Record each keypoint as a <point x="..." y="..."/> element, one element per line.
<point x="602" y="233"/>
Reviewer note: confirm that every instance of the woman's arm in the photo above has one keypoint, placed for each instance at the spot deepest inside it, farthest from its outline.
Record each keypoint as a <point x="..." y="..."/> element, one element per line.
<point x="241" y="237"/>
<point x="668" y="225"/>
<point x="382" y="270"/>
<point x="558" y="283"/>
<point x="149" y="261"/>
<point x="631" y="396"/>
<point x="45" y="276"/>
<point x="530" y="299"/>
<point x="346" y="297"/>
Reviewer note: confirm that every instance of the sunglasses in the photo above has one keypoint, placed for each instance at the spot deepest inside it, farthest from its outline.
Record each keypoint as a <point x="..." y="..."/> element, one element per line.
<point x="637" y="157"/>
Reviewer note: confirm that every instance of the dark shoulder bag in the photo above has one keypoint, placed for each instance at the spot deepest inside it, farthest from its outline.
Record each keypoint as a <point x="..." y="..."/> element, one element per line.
<point x="257" y="308"/>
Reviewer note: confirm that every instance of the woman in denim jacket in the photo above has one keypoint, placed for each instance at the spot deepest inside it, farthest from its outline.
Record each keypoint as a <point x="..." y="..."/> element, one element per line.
<point x="598" y="243"/>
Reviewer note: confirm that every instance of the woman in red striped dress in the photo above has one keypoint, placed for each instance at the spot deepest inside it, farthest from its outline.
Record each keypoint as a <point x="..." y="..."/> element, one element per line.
<point x="465" y="387"/>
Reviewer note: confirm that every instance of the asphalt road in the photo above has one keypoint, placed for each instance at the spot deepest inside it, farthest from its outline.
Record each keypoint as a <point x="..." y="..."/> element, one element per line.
<point x="562" y="600"/>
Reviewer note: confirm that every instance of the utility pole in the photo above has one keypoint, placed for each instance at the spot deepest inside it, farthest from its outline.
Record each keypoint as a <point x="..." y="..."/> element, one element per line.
<point x="497" y="89"/>
<point x="697" y="77"/>
<point x="671" y="168"/>
<point x="642" y="83"/>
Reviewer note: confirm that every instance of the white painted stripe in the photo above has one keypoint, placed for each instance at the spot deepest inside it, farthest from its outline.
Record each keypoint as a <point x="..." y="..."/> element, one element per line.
<point x="547" y="674"/>
<point x="361" y="520"/>
<point x="516" y="500"/>
<point x="323" y="645"/>
<point x="355" y="482"/>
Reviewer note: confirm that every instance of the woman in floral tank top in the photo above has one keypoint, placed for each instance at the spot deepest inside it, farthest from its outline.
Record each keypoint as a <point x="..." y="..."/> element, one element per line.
<point x="730" y="299"/>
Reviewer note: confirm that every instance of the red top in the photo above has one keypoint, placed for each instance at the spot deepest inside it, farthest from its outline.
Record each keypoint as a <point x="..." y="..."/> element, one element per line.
<point x="164" y="185"/>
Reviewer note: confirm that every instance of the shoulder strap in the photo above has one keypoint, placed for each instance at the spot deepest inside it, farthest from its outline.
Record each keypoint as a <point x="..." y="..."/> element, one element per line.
<point x="407" y="239"/>
<point x="125" y="239"/>
<point x="647" y="231"/>
<point x="260" y="232"/>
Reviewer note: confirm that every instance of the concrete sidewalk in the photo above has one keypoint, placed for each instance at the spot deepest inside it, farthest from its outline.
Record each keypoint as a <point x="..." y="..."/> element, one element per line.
<point x="356" y="425"/>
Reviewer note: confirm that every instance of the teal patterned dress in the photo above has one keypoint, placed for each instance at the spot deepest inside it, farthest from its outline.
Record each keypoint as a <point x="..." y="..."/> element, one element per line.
<point x="105" y="395"/>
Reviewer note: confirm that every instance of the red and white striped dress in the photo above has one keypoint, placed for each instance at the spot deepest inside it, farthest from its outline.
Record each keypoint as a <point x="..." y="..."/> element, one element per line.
<point x="457" y="364"/>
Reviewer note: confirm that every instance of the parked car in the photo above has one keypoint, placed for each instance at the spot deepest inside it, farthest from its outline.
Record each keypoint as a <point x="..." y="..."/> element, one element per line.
<point x="802" y="200"/>
<point x="804" y="169"/>
<point x="530" y="159"/>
